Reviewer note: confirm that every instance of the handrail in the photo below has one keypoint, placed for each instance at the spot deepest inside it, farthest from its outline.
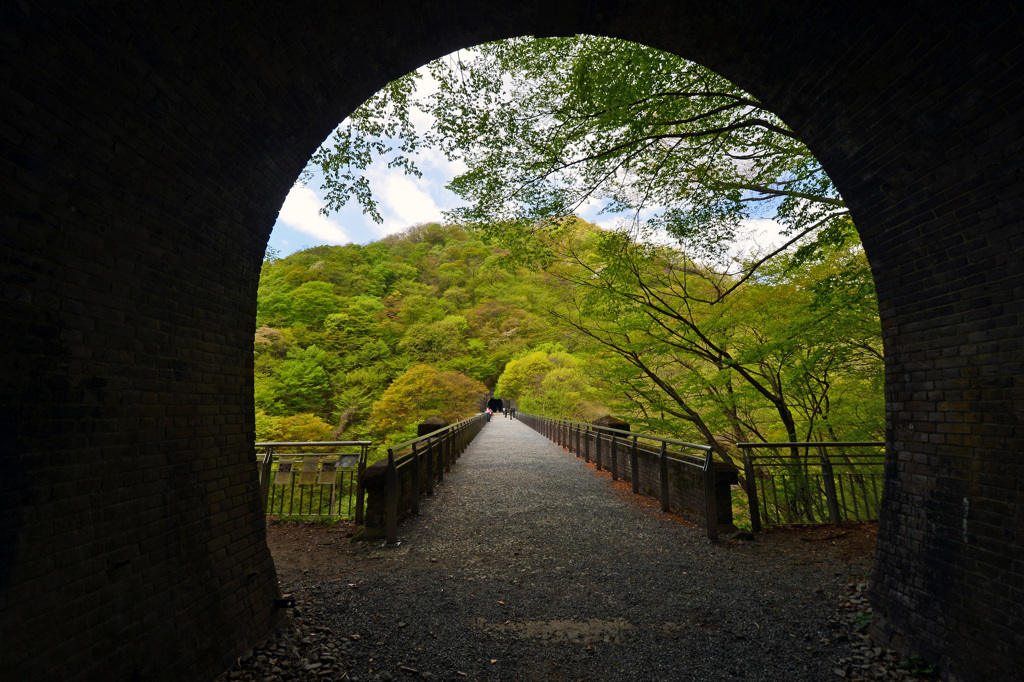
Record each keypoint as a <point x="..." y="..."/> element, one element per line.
<point x="620" y="432"/>
<point x="569" y="433"/>
<point x="629" y="434"/>
<point x="434" y="434"/>
<point x="814" y="443"/>
<point x="811" y="490"/>
<point x="312" y="443"/>
<point x="440" y="447"/>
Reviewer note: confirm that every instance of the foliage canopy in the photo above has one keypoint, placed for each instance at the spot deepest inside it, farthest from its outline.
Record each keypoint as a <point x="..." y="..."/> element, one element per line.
<point x="546" y="126"/>
<point x="662" y="322"/>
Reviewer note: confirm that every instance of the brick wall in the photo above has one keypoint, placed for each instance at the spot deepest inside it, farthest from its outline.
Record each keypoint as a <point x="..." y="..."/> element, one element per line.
<point x="146" y="150"/>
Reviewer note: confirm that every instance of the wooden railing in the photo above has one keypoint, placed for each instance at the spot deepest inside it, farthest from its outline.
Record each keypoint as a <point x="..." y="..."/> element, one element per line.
<point x="394" y="486"/>
<point x="683" y="476"/>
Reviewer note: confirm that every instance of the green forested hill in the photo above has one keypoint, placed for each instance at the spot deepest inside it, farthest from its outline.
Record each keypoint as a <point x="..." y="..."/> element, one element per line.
<point x="366" y="341"/>
<point x="336" y="325"/>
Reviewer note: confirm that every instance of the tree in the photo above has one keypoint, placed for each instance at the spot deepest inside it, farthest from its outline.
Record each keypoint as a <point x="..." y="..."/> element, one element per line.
<point x="546" y="125"/>
<point x="522" y="375"/>
<point x="335" y="356"/>
<point x="551" y="382"/>
<point x="303" y="383"/>
<point x="424" y="392"/>
<point x="312" y="302"/>
<point x="268" y="428"/>
<point x="296" y="428"/>
<point x="356" y="324"/>
<point x="436" y="342"/>
<point x="726" y="359"/>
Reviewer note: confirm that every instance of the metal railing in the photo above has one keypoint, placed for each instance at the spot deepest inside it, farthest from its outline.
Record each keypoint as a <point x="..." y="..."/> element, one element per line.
<point x="299" y="479"/>
<point x="603" y="445"/>
<point x="436" y="451"/>
<point x="807" y="484"/>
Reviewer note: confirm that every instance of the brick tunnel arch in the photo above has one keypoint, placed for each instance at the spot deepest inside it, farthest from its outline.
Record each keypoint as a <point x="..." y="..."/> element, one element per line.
<point x="146" y="153"/>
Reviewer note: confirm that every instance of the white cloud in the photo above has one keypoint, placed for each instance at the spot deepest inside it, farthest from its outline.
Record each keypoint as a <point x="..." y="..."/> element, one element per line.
<point x="757" y="236"/>
<point x="434" y="160"/>
<point x="403" y="201"/>
<point x="609" y="224"/>
<point x="762" y="231"/>
<point x="301" y="211"/>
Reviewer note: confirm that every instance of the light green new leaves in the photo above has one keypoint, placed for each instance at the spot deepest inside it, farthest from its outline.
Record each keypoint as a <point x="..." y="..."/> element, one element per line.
<point x="548" y="125"/>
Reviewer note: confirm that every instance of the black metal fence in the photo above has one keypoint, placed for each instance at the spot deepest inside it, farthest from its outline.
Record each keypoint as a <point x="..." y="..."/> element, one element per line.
<point x="812" y="483"/>
<point x="302" y="480"/>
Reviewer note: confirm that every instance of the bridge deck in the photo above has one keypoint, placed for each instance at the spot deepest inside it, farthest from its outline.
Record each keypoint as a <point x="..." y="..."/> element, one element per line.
<point x="527" y="565"/>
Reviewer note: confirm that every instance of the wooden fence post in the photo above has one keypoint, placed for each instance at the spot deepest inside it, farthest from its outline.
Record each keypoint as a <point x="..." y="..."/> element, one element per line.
<point x="430" y="467"/>
<point x="391" y="490"/>
<point x="710" y="504"/>
<point x="439" y="447"/>
<point x="663" y="476"/>
<point x="448" y="450"/>
<point x="634" y="466"/>
<point x="415" y="479"/>
<point x="360" y="493"/>
<point x="265" y="467"/>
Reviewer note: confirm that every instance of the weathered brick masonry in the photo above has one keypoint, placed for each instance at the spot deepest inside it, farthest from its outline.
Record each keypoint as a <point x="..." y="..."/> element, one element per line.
<point x="147" y="148"/>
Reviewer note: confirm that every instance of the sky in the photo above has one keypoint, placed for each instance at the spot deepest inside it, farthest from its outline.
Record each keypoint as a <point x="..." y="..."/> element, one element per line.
<point x="406" y="200"/>
<point x="403" y="201"/>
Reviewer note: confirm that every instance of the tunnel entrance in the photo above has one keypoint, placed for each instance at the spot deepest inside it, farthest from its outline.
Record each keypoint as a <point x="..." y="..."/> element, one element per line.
<point x="148" y="150"/>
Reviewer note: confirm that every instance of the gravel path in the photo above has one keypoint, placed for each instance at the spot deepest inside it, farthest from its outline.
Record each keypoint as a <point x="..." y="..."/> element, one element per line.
<point x="527" y="565"/>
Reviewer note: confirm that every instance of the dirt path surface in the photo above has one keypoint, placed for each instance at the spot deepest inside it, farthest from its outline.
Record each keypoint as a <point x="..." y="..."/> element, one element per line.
<point x="528" y="565"/>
